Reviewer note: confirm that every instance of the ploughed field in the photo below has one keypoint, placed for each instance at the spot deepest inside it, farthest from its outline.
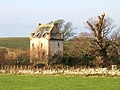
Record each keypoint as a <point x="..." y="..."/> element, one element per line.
<point x="58" y="82"/>
<point x="15" y="42"/>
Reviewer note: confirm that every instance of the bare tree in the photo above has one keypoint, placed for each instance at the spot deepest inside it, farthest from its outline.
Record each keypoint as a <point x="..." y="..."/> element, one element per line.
<point x="115" y="37"/>
<point x="101" y="27"/>
<point x="66" y="28"/>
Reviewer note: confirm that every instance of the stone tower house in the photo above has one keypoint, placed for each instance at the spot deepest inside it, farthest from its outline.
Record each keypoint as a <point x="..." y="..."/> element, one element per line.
<point x="45" y="43"/>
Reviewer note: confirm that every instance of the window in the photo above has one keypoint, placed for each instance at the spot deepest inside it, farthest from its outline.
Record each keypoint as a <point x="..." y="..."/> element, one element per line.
<point x="58" y="44"/>
<point x="41" y="45"/>
<point x="32" y="44"/>
<point x="38" y="34"/>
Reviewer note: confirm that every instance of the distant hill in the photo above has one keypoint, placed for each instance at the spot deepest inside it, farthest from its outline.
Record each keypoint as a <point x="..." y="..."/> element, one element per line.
<point x="15" y="42"/>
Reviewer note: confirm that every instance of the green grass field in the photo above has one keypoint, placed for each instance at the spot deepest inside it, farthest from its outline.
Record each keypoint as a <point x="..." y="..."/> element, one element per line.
<point x="22" y="82"/>
<point x="15" y="42"/>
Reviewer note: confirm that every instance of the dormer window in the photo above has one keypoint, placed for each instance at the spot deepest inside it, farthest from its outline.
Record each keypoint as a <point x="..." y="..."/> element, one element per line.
<point x="38" y="35"/>
<point x="44" y="35"/>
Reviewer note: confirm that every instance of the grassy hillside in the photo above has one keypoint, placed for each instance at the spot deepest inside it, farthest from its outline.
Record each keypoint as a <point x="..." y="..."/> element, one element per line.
<point x="22" y="42"/>
<point x="18" y="42"/>
<point x="23" y="82"/>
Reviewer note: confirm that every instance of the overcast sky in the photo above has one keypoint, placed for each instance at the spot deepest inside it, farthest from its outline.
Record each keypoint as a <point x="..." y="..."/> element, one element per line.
<point x="20" y="17"/>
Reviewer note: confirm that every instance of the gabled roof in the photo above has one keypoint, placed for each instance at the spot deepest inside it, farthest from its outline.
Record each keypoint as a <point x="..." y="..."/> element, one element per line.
<point x="42" y="29"/>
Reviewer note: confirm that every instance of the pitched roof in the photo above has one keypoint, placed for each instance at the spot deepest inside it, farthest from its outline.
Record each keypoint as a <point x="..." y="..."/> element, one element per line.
<point x="42" y="29"/>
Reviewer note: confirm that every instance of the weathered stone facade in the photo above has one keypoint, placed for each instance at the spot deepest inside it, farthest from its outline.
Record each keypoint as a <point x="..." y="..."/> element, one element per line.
<point x="45" y="42"/>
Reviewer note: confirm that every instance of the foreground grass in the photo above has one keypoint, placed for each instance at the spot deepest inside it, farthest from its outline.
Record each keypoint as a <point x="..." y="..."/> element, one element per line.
<point x="15" y="42"/>
<point x="22" y="82"/>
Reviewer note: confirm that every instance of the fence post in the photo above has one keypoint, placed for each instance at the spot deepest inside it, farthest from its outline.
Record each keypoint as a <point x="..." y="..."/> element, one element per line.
<point x="67" y="68"/>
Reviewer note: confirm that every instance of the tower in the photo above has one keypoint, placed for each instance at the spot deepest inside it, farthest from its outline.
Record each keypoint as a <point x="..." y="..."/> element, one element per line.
<point x="45" y="44"/>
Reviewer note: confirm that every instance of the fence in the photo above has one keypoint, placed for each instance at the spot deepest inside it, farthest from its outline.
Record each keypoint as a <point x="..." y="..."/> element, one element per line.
<point x="62" y="71"/>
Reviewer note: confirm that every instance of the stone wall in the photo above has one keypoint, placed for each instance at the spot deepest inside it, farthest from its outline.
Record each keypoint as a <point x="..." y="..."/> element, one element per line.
<point x="39" y="50"/>
<point x="62" y="71"/>
<point x="56" y="47"/>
